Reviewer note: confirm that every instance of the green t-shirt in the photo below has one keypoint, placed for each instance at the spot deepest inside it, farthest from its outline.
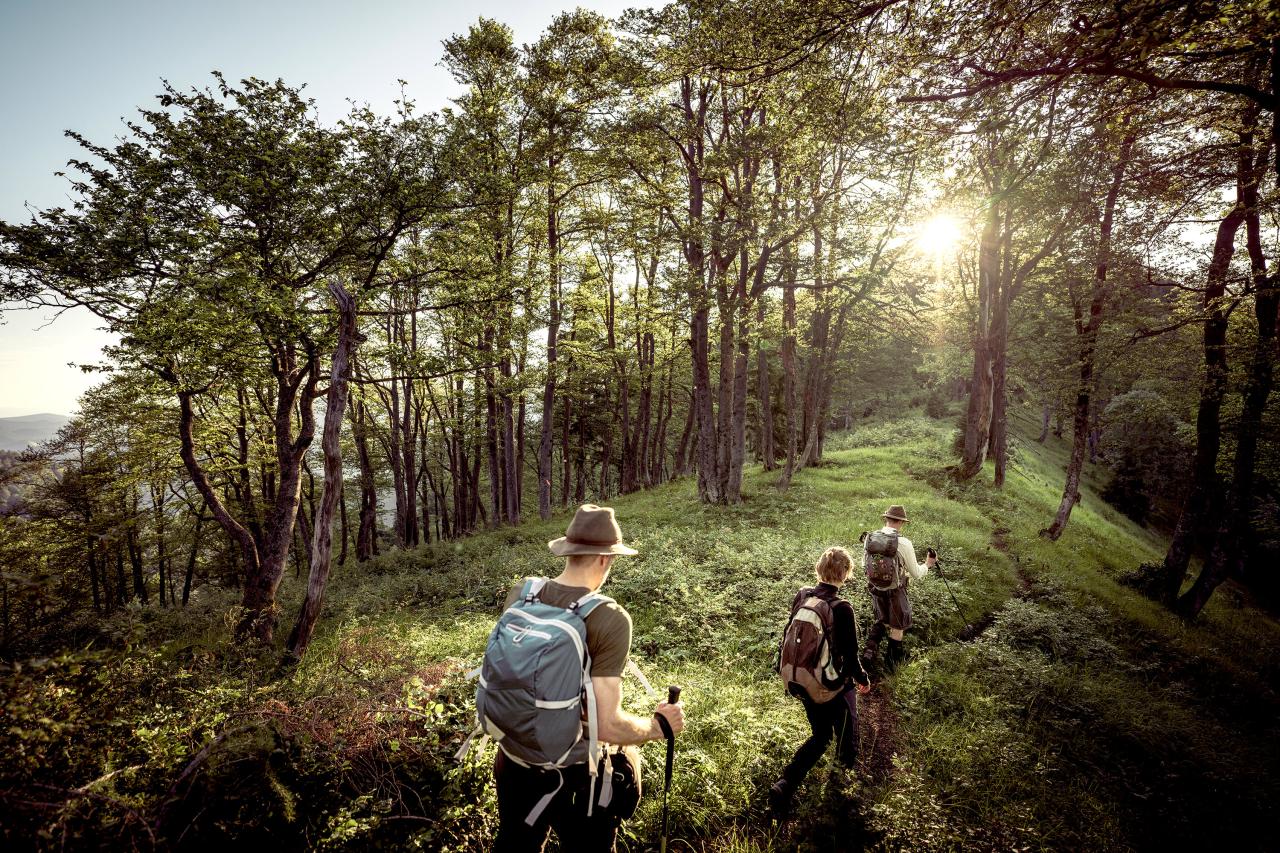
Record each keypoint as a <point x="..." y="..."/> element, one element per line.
<point x="608" y="626"/>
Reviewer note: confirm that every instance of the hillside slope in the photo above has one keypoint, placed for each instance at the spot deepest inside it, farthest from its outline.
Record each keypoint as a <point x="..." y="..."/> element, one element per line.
<point x="1082" y="717"/>
<point x="18" y="432"/>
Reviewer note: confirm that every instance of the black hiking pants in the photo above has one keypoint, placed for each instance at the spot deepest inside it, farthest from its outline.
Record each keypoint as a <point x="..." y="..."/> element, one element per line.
<point x="519" y="790"/>
<point x="837" y="718"/>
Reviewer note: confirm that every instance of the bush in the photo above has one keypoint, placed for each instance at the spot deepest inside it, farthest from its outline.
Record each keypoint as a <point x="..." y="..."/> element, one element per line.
<point x="1128" y="492"/>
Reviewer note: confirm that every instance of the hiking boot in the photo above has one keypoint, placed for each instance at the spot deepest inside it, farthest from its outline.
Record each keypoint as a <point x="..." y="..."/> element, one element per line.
<point x="871" y="650"/>
<point x="895" y="655"/>
<point x="868" y="659"/>
<point x="780" y="794"/>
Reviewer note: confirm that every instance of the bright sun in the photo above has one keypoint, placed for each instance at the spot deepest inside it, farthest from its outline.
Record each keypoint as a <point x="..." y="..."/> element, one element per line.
<point x="938" y="237"/>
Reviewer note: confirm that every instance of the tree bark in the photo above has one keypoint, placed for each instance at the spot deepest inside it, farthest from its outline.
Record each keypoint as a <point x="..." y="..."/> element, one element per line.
<point x="1230" y="547"/>
<point x="680" y="464"/>
<point x="789" y="373"/>
<point x="999" y="435"/>
<point x="767" y="454"/>
<point x="553" y="340"/>
<point x="322" y="537"/>
<point x="367" y="530"/>
<point x="191" y="557"/>
<point x="705" y="444"/>
<point x="1087" y="338"/>
<point x="1213" y="387"/>
<point x="738" y="420"/>
<point x="978" y="413"/>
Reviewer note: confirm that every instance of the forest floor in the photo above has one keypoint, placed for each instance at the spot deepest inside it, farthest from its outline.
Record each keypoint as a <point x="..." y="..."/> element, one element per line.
<point x="1083" y="716"/>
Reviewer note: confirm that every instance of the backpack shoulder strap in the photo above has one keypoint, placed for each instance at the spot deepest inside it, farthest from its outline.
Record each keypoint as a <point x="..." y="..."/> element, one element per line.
<point x="822" y="607"/>
<point x="801" y="597"/>
<point x="589" y="602"/>
<point x="531" y="590"/>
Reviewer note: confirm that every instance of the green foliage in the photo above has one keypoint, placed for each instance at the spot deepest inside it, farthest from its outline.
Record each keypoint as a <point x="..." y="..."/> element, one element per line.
<point x="1082" y="718"/>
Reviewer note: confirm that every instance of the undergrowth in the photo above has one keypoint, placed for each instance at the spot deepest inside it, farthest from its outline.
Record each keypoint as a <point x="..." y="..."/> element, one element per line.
<point x="1083" y="716"/>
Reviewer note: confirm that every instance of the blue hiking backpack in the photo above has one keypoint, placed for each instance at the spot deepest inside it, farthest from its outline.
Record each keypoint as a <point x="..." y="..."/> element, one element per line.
<point x="534" y="680"/>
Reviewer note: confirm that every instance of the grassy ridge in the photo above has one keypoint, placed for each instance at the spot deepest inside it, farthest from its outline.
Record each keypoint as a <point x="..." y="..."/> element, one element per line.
<point x="1083" y="717"/>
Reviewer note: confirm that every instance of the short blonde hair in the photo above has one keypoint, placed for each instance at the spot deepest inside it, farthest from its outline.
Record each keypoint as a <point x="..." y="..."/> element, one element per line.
<point x="834" y="566"/>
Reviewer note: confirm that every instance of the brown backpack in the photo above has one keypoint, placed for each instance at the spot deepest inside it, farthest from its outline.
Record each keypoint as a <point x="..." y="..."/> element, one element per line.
<point x="805" y="660"/>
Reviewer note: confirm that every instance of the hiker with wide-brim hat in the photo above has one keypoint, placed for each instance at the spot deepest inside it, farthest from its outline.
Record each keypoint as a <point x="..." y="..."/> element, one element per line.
<point x="585" y="795"/>
<point x="890" y="603"/>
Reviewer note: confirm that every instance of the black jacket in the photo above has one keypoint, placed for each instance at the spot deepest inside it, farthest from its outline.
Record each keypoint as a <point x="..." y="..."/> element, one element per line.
<point x="844" y="629"/>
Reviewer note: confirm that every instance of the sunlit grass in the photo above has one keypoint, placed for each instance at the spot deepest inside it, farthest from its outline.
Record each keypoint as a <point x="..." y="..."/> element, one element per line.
<point x="1084" y="717"/>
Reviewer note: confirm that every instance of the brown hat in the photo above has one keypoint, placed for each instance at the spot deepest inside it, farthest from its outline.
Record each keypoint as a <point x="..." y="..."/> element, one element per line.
<point x="895" y="512"/>
<point x="593" y="530"/>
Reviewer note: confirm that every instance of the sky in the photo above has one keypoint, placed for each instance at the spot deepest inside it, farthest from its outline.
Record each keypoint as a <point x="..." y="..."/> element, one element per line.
<point x="86" y="66"/>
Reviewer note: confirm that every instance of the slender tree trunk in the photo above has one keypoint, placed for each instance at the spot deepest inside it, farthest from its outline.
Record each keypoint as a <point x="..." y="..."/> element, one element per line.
<point x="409" y="435"/>
<point x="120" y="581"/>
<point x="135" y="556"/>
<point x="566" y="427"/>
<point x="999" y="436"/>
<point x="322" y="540"/>
<point x="789" y="373"/>
<point x="304" y="527"/>
<point x="729" y="307"/>
<point x="520" y="440"/>
<point x="1213" y="386"/>
<point x="162" y="576"/>
<point x="580" y="480"/>
<point x="680" y="464"/>
<point x="367" y="532"/>
<point x="511" y="493"/>
<point x="658" y="447"/>
<point x="694" y="102"/>
<point x="705" y="447"/>
<point x="978" y="414"/>
<point x="1231" y="545"/>
<point x="391" y="445"/>
<point x="767" y="453"/>
<point x="491" y="433"/>
<point x="553" y="336"/>
<point x="346" y="524"/>
<point x="1087" y="338"/>
<point x="1044" y="425"/>
<point x="91" y="553"/>
<point x="296" y="388"/>
<point x="640" y="441"/>
<point x="192" y="556"/>
<point x="738" y="421"/>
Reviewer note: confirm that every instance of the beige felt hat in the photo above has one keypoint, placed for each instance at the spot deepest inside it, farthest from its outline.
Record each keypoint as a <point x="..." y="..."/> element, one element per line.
<point x="895" y="512"/>
<point x="593" y="530"/>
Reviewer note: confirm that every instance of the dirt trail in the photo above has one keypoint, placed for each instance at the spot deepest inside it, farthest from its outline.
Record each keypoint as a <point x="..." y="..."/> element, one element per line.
<point x="1000" y="542"/>
<point x="878" y="738"/>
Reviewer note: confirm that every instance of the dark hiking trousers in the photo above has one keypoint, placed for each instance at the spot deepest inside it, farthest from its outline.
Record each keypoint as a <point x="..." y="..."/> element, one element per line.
<point x="519" y="790"/>
<point x="837" y="718"/>
<point x="892" y="609"/>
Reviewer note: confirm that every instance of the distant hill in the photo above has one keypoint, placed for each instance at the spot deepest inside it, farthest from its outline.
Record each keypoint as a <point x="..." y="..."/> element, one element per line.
<point x="17" y="433"/>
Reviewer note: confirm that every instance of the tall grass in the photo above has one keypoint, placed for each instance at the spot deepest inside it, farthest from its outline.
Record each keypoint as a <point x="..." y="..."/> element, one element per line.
<point x="1084" y="717"/>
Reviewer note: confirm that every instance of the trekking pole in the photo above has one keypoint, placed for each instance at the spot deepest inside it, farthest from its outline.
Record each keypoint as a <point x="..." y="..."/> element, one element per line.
<point x="673" y="696"/>
<point x="968" y="630"/>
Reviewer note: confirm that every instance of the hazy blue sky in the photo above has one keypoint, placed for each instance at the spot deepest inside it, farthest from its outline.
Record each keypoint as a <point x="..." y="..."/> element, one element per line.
<point x="73" y="64"/>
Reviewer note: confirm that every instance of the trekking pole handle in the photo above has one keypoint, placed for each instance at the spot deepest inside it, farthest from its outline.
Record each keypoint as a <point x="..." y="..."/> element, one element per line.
<point x="673" y="694"/>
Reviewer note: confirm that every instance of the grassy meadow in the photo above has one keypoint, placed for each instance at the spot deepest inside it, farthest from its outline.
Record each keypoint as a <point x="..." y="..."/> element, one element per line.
<point x="1083" y="717"/>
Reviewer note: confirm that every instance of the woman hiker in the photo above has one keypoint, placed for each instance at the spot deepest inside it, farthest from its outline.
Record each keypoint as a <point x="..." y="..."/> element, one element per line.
<point x="808" y="668"/>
